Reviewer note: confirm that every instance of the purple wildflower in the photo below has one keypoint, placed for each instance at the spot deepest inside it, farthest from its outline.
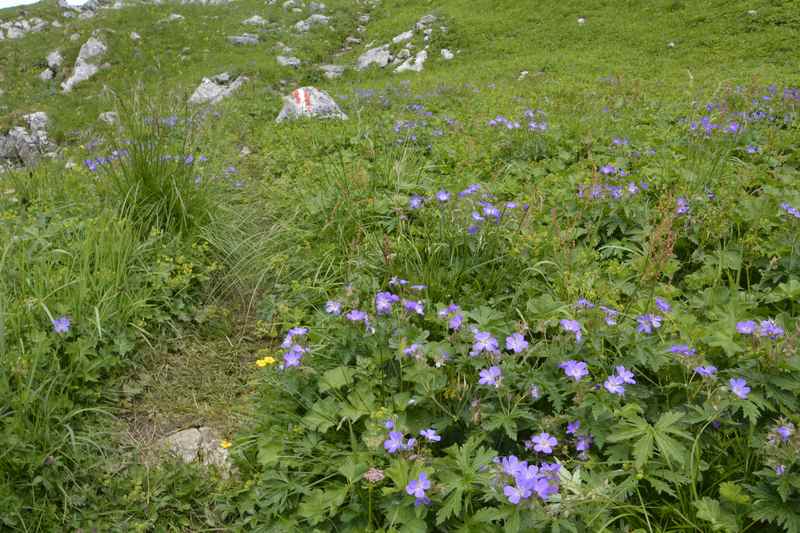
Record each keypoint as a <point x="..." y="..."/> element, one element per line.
<point x="414" y="307"/>
<point x="626" y="375"/>
<point x="752" y="149"/>
<point x="516" y="343"/>
<point x="739" y="387"/>
<point x="516" y="493"/>
<point x="544" y="443"/>
<point x="583" y="443"/>
<point x="791" y="210"/>
<point x="491" y="376"/>
<point x="682" y="349"/>
<point x="748" y="327"/>
<point x="484" y="342"/>
<point x="576" y="370"/>
<point x="356" y="316"/>
<point x="768" y="328"/>
<point x="611" y="315"/>
<point x="780" y="470"/>
<point x="384" y="301"/>
<point x="91" y="165"/>
<point x="455" y="322"/>
<point x="647" y="323"/>
<point x="333" y="308"/>
<point x="389" y="424"/>
<point x="608" y="170"/>
<point x="706" y="371"/>
<point x="573" y="427"/>
<point x="417" y="488"/>
<point x="443" y="196"/>
<point x="415" y="202"/>
<point x="394" y="443"/>
<point x="411" y="350"/>
<point x="785" y="431"/>
<point x="61" y="324"/>
<point x="573" y="326"/>
<point x="430" y="435"/>
<point x="583" y="303"/>
<point x="397" y="281"/>
<point x="615" y="385"/>
<point x="663" y="305"/>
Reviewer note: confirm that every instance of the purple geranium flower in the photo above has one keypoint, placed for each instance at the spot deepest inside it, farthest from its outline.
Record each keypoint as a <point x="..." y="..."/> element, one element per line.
<point x="682" y="205"/>
<point x="785" y="431"/>
<point x="389" y="424"/>
<point x="706" y="371"/>
<point x="626" y="375"/>
<point x="573" y="427"/>
<point x="356" y="316"/>
<point x="417" y="488"/>
<point x="611" y="315"/>
<point x="333" y="307"/>
<point x="384" y="301"/>
<point x="768" y="328"/>
<point x="615" y="385"/>
<point x="61" y="324"/>
<point x="484" y="342"/>
<point x="544" y="443"/>
<point x="516" y="343"/>
<point x="647" y="323"/>
<point x="430" y="435"/>
<point x="583" y="443"/>
<point x="576" y="370"/>
<point x="415" y="202"/>
<point x="748" y="327"/>
<point x="663" y="305"/>
<point x="682" y="349"/>
<point x="739" y="387"/>
<point x="491" y="376"/>
<point x="573" y="326"/>
<point x="455" y="322"/>
<point x="516" y="493"/>
<point x="395" y="442"/>
<point x="443" y="196"/>
<point x="414" y="307"/>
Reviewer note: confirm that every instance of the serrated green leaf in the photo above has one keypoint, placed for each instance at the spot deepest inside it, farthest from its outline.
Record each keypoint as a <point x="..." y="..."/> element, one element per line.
<point x="451" y="506"/>
<point x="708" y="509"/>
<point x="643" y="450"/>
<point x="336" y="378"/>
<point x="733" y="493"/>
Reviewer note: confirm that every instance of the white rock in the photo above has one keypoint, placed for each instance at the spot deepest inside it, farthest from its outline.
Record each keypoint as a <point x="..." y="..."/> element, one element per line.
<point x="288" y="61"/>
<point x="74" y="37"/>
<point x="752" y="12"/>
<point x="255" y="20"/>
<point x="85" y="64"/>
<point x="37" y="121"/>
<point x="380" y="56"/>
<point x="198" y="444"/>
<point x="403" y="37"/>
<point x="309" y="102"/>
<point x="671" y="44"/>
<point x="414" y="64"/>
<point x="363" y="19"/>
<point x="425" y="21"/>
<point x="332" y="71"/>
<point x="54" y="60"/>
<point x="289" y="4"/>
<point x="173" y="17"/>
<point x="109" y="117"/>
<point x="135" y="36"/>
<point x="211" y="91"/>
<point x="447" y="55"/>
<point x="352" y="40"/>
<point x="581" y="21"/>
<point x="522" y="75"/>
<point x="317" y="7"/>
<point x="314" y="20"/>
<point x="15" y="33"/>
<point x="243" y="39"/>
<point x="46" y="75"/>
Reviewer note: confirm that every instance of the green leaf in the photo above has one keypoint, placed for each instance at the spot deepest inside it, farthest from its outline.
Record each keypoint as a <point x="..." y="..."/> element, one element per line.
<point x="708" y="509"/>
<point x="733" y="493"/>
<point x="322" y="416"/>
<point x="351" y="469"/>
<point x="643" y="450"/>
<point x="320" y="503"/>
<point x="451" y="506"/>
<point x="336" y="378"/>
<point x="489" y="514"/>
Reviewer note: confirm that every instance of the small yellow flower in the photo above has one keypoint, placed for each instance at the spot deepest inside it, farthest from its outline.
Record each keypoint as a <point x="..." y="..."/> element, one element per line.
<point x="266" y="361"/>
<point x="226" y="444"/>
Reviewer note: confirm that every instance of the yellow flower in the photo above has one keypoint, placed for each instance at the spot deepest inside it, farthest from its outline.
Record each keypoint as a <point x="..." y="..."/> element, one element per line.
<point x="266" y="361"/>
<point x="225" y="444"/>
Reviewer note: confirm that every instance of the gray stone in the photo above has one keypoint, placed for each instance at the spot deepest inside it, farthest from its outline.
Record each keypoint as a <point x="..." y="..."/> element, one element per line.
<point x="363" y="19"/>
<point x="288" y="61"/>
<point x="425" y="21"/>
<point x="317" y="7"/>
<point x="46" y="75"/>
<point x="37" y="121"/>
<point x="198" y="445"/>
<point x="15" y="33"/>
<point x="85" y="64"/>
<point x="413" y="64"/>
<point x="380" y="56"/>
<point x="332" y="71"/>
<point x="352" y="40"/>
<point x="403" y="37"/>
<point x="135" y="36"/>
<point x="309" y="102"/>
<point x="75" y="37"/>
<point x="54" y="60"/>
<point x="447" y="55"/>
<point x="255" y="20"/>
<point x="310" y="22"/>
<point x="173" y="17"/>
<point x="289" y="4"/>
<point x="243" y="39"/>
<point x="109" y="117"/>
<point x="21" y="147"/>
<point x="212" y="91"/>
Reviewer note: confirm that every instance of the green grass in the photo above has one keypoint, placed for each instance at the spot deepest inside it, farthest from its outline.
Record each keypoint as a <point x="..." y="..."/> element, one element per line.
<point x="174" y="289"/>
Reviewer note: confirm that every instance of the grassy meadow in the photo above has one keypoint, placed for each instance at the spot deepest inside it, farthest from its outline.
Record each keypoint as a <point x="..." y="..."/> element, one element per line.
<point x="550" y="284"/>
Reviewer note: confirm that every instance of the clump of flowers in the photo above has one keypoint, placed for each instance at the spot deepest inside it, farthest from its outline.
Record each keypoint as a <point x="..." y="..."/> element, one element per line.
<point x="521" y="480"/>
<point x="294" y="350"/>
